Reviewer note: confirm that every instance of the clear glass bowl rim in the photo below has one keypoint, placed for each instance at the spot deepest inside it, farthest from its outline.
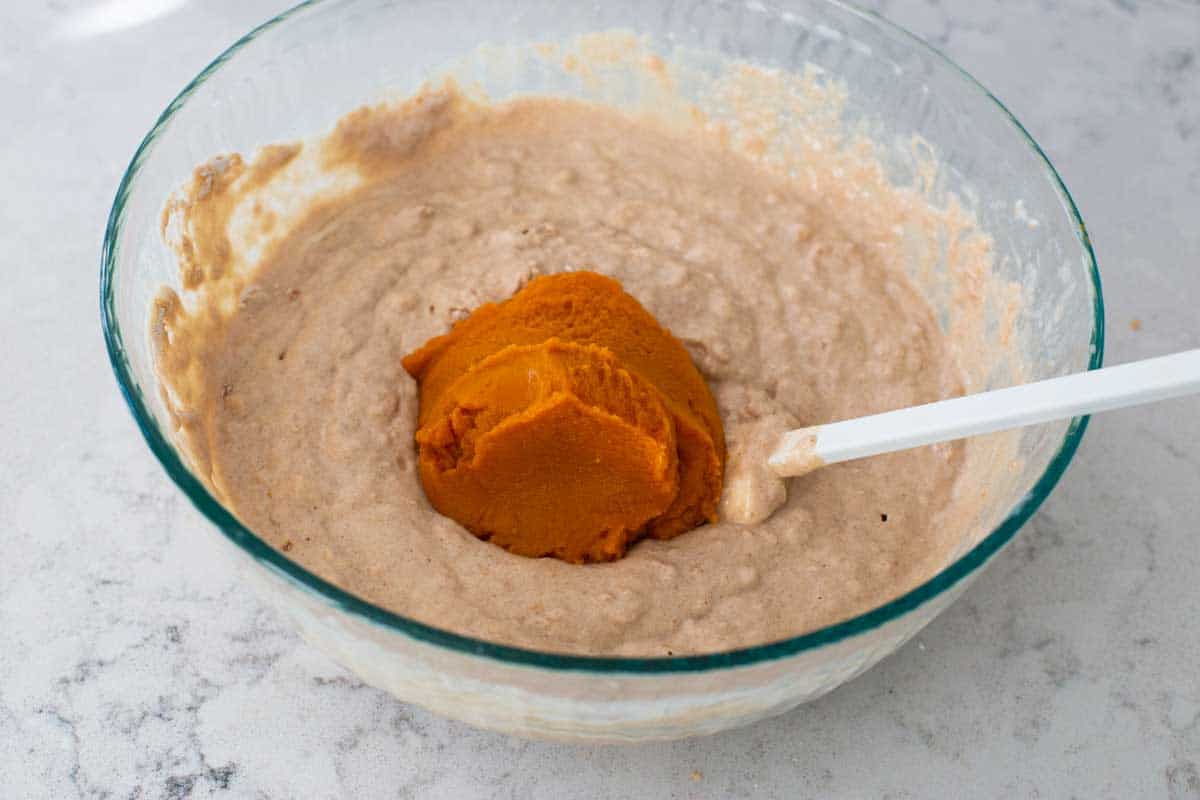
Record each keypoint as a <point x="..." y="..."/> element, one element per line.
<point x="342" y="600"/>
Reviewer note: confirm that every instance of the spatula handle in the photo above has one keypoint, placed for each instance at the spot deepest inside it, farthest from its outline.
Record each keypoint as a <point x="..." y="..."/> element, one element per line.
<point x="1131" y="384"/>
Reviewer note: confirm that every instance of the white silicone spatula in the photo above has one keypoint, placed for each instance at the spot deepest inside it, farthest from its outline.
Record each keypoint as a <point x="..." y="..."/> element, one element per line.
<point x="806" y="449"/>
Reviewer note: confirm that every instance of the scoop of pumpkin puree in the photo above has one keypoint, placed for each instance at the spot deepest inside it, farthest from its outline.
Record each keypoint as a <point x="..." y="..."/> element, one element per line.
<point x="566" y="422"/>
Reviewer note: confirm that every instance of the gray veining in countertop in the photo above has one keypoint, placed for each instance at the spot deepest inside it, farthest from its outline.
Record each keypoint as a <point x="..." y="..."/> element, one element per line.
<point x="132" y="665"/>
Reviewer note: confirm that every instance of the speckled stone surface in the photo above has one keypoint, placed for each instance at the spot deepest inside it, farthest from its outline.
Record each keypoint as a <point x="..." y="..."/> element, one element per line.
<point x="132" y="665"/>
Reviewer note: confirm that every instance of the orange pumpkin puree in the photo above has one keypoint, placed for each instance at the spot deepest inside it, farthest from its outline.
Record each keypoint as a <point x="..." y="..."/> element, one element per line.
<point x="567" y="422"/>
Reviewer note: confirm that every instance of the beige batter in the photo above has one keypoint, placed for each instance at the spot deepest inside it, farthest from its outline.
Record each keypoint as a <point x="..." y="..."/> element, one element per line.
<point x="794" y="317"/>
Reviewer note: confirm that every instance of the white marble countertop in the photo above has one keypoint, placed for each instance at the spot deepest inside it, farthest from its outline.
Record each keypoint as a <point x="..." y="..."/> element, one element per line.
<point x="133" y="666"/>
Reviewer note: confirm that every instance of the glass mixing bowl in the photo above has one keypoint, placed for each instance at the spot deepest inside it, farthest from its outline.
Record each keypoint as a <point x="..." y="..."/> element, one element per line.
<point x="296" y="74"/>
